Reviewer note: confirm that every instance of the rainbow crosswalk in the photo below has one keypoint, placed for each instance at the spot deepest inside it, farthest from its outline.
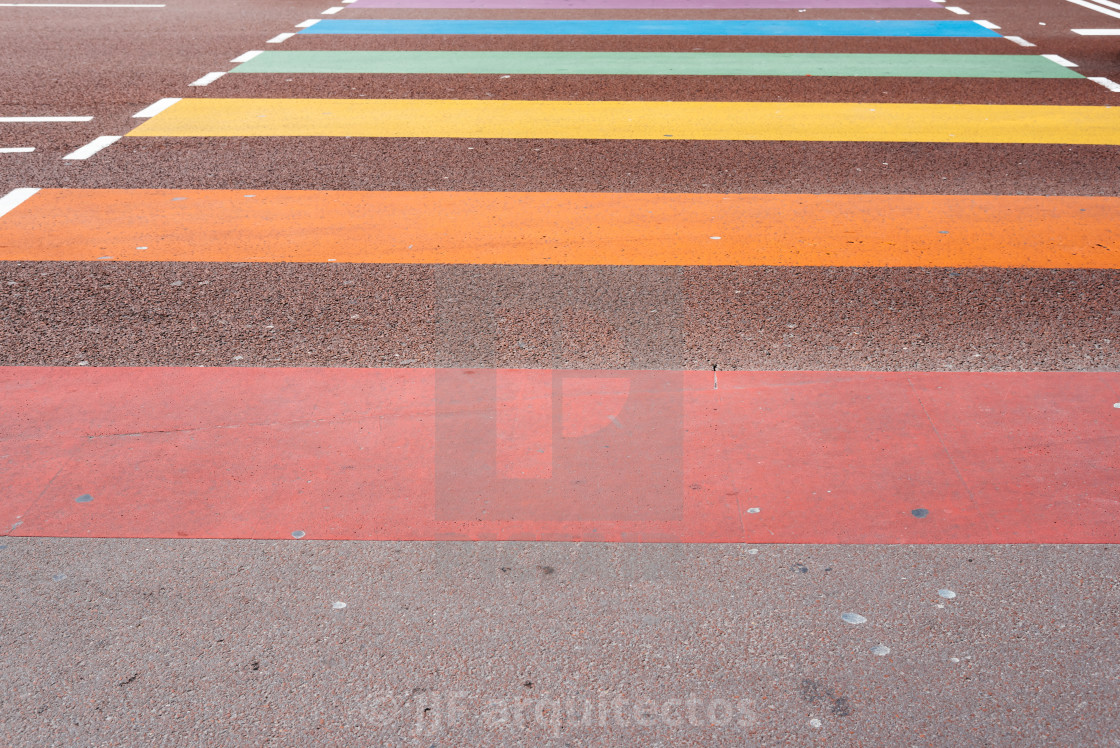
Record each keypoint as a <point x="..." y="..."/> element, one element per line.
<point x="657" y="63"/>
<point x="621" y="455"/>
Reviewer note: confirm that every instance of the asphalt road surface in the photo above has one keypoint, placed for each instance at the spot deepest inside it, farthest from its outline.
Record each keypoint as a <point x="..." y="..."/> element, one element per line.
<point x="560" y="372"/>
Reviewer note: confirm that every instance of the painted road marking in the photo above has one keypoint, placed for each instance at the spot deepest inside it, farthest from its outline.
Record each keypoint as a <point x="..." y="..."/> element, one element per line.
<point x="955" y="9"/>
<point x="15" y="197"/>
<point x="279" y="38"/>
<point x="207" y="79"/>
<point x="637" y="120"/>
<point x="659" y="63"/>
<point x="1097" y="32"/>
<point x="1061" y="61"/>
<point x="988" y="25"/>
<point x="1019" y="40"/>
<point x="407" y="454"/>
<point x="154" y="109"/>
<point x="1107" y="83"/>
<point x="92" y="147"/>
<point x="308" y="23"/>
<point x="45" y="119"/>
<point x="565" y="228"/>
<point x="247" y="56"/>
<point x="640" y="4"/>
<point x="654" y="28"/>
<point x="1097" y="8"/>
<point x="18" y="149"/>
<point x="332" y="11"/>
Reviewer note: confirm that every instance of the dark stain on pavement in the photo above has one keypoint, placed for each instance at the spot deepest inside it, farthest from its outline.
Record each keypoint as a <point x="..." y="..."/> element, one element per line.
<point x="814" y="691"/>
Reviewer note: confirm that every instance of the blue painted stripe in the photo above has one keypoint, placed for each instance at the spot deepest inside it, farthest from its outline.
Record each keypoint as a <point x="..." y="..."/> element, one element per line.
<point x="653" y="28"/>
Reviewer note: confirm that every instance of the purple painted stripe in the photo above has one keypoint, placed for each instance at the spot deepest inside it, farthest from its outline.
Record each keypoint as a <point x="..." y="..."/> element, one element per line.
<point x="643" y="4"/>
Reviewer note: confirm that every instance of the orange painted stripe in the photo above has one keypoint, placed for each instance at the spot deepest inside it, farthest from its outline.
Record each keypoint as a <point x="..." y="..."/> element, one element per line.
<point x="565" y="228"/>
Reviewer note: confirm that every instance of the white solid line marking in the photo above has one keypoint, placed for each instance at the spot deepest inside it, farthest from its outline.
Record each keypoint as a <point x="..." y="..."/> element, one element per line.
<point x="1061" y="61"/>
<point x="15" y="197"/>
<point x="988" y="25"/>
<point x="1098" y="8"/>
<point x="1109" y="84"/>
<point x="156" y="108"/>
<point x="92" y="147"/>
<point x="45" y="119"/>
<point x="347" y="2"/>
<point x="331" y="11"/>
<point x="247" y="56"/>
<point x="958" y="11"/>
<point x="308" y="23"/>
<point x="1019" y="40"/>
<point x="1097" y="32"/>
<point x="207" y="79"/>
<point x="1108" y="4"/>
<point x="280" y="38"/>
<point x="20" y="149"/>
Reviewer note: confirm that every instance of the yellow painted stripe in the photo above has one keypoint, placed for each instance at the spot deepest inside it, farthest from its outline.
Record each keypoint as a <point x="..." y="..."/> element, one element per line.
<point x="637" y="120"/>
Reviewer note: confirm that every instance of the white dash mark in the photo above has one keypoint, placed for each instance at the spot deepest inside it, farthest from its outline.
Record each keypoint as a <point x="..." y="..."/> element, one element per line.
<point x="1098" y="8"/>
<point x="247" y="56"/>
<point x="207" y="79"/>
<point x="155" y="109"/>
<point x="947" y="594"/>
<point x="45" y="119"/>
<point x="881" y="650"/>
<point x="308" y="23"/>
<point x="988" y="25"/>
<point x="19" y="149"/>
<point x="958" y="11"/>
<point x="1019" y="40"/>
<point x="715" y="237"/>
<point x="1097" y="32"/>
<point x="1061" y="61"/>
<point x="1111" y="85"/>
<point x="280" y="38"/>
<point x="1116" y="405"/>
<point x="853" y="618"/>
<point x="15" y="198"/>
<point x="331" y="11"/>
<point x="752" y="551"/>
<point x="339" y="605"/>
<point x="753" y="510"/>
<point x="92" y="147"/>
<point x="814" y="722"/>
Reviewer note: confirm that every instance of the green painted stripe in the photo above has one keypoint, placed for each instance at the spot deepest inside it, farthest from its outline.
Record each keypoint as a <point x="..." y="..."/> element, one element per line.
<point x="659" y="63"/>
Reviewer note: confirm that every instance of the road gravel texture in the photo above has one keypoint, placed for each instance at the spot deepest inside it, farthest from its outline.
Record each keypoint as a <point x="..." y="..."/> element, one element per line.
<point x="107" y="641"/>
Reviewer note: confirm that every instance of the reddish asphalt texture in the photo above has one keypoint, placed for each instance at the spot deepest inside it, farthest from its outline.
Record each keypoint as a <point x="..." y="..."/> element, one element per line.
<point x="237" y="642"/>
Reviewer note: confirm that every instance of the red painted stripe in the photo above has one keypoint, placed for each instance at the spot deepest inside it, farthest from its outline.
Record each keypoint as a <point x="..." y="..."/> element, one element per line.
<point x="567" y="455"/>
